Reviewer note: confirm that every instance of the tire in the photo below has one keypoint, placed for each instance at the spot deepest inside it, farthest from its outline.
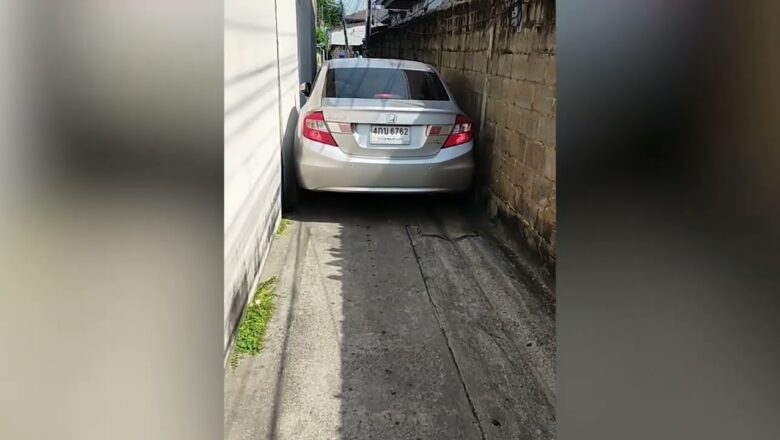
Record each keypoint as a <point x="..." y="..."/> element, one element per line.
<point x="289" y="185"/>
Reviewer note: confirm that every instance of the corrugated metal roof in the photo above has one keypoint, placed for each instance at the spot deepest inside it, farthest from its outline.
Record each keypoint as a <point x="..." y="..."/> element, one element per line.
<point x="356" y="17"/>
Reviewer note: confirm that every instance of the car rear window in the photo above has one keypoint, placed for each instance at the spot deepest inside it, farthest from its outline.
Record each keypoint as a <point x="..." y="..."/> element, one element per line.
<point x="363" y="82"/>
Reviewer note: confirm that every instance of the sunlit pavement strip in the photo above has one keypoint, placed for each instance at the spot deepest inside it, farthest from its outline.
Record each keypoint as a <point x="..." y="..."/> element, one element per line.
<point x="376" y="338"/>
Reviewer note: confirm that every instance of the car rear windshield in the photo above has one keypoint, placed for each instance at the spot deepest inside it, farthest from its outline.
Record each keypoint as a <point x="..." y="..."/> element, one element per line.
<point x="370" y="83"/>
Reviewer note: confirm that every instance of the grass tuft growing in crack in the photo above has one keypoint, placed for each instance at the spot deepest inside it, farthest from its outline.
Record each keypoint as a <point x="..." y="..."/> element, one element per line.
<point x="250" y="339"/>
<point x="283" y="225"/>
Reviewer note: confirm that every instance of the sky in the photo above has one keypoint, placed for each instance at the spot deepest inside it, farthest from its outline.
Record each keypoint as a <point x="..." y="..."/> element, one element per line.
<point x="352" y="6"/>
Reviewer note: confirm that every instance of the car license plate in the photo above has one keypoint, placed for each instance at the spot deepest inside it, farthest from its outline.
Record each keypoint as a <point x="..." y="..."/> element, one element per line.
<point x="389" y="135"/>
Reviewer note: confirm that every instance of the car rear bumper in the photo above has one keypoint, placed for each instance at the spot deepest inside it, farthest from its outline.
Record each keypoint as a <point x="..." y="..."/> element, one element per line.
<point x="326" y="168"/>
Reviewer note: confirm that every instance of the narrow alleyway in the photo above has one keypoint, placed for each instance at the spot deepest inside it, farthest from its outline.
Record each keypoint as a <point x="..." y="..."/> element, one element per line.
<point x="396" y="318"/>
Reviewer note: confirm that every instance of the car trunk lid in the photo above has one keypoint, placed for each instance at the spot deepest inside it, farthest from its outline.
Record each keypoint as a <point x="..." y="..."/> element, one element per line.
<point x="422" y="126"/>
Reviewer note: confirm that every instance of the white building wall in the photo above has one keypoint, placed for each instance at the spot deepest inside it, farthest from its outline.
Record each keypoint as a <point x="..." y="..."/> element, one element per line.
<point x="355" y="32"/>
<point x="261" y="56"/>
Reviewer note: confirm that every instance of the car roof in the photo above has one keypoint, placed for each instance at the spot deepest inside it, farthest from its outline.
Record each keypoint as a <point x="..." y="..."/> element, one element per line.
<point x="378" y="63"/>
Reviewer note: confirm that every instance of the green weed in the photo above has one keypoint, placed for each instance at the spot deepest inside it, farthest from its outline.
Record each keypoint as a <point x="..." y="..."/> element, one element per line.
<point x="250" y="339"/>
<point x="283" y="225"/>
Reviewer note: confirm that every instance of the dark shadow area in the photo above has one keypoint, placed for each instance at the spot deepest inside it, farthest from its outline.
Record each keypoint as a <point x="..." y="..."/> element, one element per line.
<point x="397" y="377"/>
<point x="394" y="208"/>
<point x="289" y="196"/>
<point x="404" y="373"/>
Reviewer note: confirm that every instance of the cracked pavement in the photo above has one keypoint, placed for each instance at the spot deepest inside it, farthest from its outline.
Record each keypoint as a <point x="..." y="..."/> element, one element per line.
<point x="396" y="318"/>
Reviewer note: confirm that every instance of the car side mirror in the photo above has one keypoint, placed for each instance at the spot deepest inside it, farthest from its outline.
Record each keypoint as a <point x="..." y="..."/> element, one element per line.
<point x="305" y="88"/>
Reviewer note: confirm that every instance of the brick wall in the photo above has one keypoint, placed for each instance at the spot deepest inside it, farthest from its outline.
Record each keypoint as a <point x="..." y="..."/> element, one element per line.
<point x="499" y="59"/>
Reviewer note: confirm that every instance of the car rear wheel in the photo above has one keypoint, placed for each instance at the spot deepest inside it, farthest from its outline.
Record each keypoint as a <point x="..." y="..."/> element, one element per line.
<point x="290" y="190"/>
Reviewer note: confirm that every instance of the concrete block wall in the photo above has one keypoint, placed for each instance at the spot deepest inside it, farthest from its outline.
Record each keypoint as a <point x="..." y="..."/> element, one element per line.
<point x="498" y="57"/>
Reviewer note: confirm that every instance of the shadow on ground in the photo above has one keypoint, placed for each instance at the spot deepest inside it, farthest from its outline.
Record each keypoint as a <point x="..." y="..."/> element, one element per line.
<point x="430" y="331"/>
<point x="396" y="320"/>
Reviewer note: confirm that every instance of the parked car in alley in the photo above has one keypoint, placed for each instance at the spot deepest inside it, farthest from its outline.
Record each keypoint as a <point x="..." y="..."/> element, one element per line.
<point x="381" y="125"/>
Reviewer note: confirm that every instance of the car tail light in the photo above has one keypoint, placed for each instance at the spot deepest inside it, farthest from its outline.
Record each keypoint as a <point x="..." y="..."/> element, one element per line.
<point x="315" y="128"/>
<point x="461" y="132"/>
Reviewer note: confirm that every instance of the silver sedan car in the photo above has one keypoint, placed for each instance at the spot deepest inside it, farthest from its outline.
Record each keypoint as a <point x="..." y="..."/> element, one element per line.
<point x="381" y="125"/>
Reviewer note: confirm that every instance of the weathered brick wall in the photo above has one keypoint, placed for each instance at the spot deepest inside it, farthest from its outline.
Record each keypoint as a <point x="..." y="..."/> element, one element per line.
<point x="498" y="57"/>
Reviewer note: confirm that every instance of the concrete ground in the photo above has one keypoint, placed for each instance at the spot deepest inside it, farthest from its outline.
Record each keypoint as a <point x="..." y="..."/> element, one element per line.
<point x="396" y="319"/>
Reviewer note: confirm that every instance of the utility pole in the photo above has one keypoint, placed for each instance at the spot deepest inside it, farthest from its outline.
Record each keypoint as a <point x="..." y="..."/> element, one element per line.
<point x="369" y="16"/>
<point x="344" y="23"/>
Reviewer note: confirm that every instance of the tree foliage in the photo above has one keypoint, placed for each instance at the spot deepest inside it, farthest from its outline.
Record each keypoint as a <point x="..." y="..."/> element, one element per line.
<point x="329" y="16"/>
<point x="322" y="37"/>
<point x="329" y="12"/>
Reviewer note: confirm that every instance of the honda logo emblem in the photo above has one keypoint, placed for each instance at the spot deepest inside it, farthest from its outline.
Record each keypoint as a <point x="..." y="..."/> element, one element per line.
<point x="391" y="118"/>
